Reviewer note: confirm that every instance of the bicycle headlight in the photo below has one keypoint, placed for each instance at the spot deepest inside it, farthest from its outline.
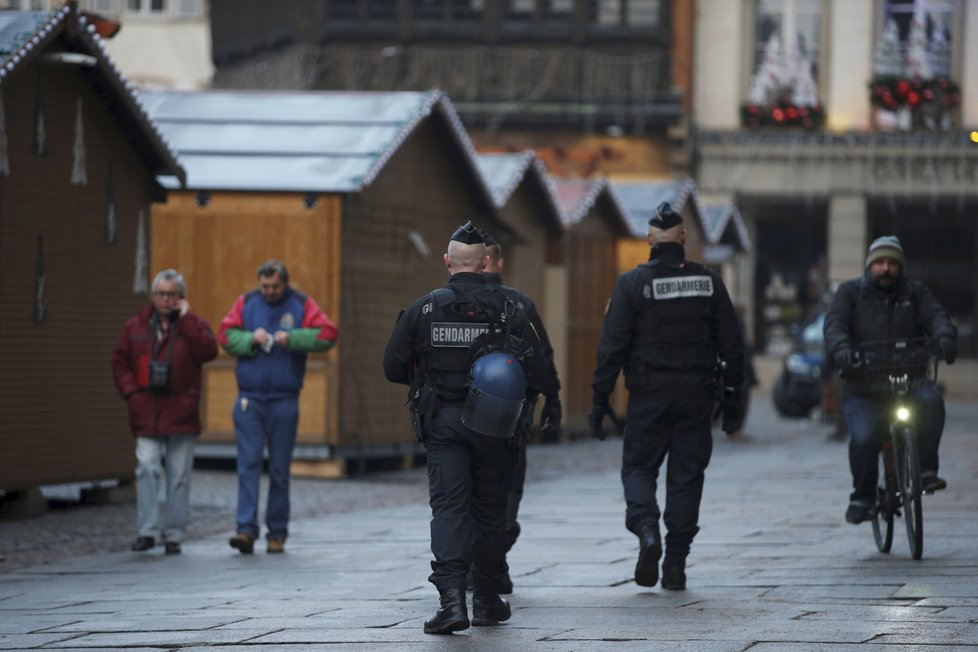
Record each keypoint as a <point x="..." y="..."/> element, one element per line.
<point x="903" y="414"/>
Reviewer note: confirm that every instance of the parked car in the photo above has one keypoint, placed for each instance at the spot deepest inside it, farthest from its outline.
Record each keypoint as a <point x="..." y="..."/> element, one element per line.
<point x="798" y="388"/>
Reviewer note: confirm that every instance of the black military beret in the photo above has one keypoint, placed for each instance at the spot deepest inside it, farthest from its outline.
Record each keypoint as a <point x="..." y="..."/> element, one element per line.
<point x="665" y="217"/>
<point x="468" y="234"/>
<point x="487" y="238"/>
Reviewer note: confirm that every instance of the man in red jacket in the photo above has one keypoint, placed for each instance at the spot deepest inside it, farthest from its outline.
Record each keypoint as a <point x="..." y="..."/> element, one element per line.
<point x="156" y="364"/>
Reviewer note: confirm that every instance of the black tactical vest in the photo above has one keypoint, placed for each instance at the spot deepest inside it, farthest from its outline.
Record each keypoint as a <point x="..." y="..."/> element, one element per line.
<point x="455" y="320"/>
<point x="675" y="324"/>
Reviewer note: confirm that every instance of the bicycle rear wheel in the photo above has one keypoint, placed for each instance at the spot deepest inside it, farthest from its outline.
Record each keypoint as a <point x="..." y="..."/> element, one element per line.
<point x="885" y="503"/>
<point x="910" y="489"/>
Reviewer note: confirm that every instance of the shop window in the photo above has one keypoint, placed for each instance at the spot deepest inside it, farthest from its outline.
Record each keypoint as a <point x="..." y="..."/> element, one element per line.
<point x="912" y="85"/>
<point x="783" y="87"/>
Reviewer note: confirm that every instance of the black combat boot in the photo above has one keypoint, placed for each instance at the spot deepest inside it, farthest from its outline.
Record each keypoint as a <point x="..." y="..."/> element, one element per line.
<point x="650" y="550"/>
<point x="506" y="584"/>
<point x="674" y="573"/>
<point x="489" y="609"/>
<point x="452" y="616"/>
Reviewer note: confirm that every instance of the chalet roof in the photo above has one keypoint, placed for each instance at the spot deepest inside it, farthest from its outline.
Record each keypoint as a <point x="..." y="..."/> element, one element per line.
<point x="640" y="199"/>
<point x="65" y="37"/>
<point x="577" y="196"/>
<point x="301" y="141"/>
<point x="725" y="225"/>
<point x="504" y="172"/>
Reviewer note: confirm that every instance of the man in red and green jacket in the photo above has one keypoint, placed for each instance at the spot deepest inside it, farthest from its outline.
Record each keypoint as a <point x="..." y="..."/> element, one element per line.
<point x="270" y="331"/>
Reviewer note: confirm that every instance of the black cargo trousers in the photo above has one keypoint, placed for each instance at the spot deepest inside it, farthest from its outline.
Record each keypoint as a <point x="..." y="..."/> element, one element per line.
<point x="680" y="429"/>
<point x="468" y="484"/>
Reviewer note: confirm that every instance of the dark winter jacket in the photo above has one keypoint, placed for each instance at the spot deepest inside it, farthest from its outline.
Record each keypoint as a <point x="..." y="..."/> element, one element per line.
<point x="860" y="312"/>
<point x="173" y="412"/>
<point x="668" y="322"/>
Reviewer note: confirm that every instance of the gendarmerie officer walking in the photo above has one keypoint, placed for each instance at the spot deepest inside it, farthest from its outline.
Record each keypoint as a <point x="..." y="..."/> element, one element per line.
<point x="465" y="408"/>
<point x="668" y="323"/>
<point x="550" y="415"/>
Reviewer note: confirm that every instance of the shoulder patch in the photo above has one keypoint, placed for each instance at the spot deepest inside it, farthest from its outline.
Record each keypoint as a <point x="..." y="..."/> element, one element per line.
<point x="678" y="287"/>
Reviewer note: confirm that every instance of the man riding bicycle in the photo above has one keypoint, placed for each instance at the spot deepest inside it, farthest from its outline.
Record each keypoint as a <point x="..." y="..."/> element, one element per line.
<point x="883" y="304"/>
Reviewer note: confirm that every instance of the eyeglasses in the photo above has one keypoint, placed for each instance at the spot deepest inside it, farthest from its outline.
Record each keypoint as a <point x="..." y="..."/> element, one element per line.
<point x="167" y="295"/>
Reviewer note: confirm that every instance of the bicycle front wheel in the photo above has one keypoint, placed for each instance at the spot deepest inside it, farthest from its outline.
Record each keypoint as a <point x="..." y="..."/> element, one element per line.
<point x="910" y="489"/>
<point x="885" y="503"/>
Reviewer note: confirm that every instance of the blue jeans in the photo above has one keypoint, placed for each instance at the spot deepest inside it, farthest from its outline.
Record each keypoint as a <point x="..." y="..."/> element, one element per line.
<point x="868" y="417"/>
<point x="255" y="422"/>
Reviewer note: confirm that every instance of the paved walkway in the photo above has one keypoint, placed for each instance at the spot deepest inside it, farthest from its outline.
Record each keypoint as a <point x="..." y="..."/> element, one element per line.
<point x="774" y="568"/>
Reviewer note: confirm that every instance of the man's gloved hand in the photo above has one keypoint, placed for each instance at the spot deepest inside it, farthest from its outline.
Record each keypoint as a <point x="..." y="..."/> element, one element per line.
<point x="551" y="415"/>
<point x="600" y="408"/>
<point x="843" y="358"/>
<point x="948" y="348"/>
<point x="733" y="414"/>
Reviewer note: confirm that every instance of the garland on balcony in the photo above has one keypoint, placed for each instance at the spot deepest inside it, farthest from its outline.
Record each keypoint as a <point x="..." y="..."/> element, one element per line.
<point x="893" y="93"/>
<point x="782" y="113"/>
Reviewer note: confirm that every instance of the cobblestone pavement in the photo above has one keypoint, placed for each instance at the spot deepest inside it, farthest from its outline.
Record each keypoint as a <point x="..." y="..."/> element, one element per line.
<point x="774" y="569"/>
<point x="71" y="528"/>
<point x="76" y="529"/>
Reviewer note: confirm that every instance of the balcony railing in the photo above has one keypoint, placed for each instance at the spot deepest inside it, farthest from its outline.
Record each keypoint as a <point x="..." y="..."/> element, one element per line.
<point x="558" y="86"/>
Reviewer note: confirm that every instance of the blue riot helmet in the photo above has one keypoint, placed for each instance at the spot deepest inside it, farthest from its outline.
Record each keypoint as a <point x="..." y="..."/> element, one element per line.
<point x="497" y="386"/>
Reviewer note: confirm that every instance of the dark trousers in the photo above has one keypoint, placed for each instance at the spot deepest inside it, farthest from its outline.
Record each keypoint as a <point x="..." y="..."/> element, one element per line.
<point x="468" y="482"/>
<point x="867" y="418"/>
<point x="655" y="429"/>
<point x="515" y="496"/>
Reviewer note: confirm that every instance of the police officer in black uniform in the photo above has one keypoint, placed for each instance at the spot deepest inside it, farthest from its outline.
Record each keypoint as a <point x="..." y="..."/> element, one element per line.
<point x="668" y="324"/>
<point x="551" y="413"/>
<point x="470" y="449"/>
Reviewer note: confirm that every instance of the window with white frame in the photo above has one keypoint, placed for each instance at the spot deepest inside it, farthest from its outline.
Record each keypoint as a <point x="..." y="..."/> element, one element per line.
<point x="625" y="13"/>
<point x="783" y="89"/>
<point x="104" y="7"/>
<point x="26" y="5"/>
<point x="146" y="6"/>
<point x="917" y="34"/>
<point x="912" y="86"/>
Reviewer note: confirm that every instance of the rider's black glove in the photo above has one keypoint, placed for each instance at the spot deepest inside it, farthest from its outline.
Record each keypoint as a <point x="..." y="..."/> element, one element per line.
<point x="843" y="358"/>
<point x="551" y="415"/>
<point x="600" y="408"/>
<point x="733" y="410"/>
<point x="948" y="348"/>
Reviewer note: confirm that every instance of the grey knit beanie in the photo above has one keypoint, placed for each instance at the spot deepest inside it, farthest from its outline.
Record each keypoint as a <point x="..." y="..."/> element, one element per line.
<point x="887" y="246"/>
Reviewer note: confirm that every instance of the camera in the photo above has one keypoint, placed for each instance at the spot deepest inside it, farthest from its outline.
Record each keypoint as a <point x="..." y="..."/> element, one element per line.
<point x="159" y="376"/>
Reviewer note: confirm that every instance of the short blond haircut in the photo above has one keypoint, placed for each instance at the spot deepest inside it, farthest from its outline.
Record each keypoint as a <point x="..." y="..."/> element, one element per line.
<point x="672" y="234"/>
<point x="466" y="257"/>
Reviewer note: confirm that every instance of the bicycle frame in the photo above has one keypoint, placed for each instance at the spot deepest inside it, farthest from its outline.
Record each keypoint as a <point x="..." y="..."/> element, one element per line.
<point x="894" y="370"/>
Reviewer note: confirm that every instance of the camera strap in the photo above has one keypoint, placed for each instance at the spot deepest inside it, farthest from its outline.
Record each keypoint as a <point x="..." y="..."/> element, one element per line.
<point x="158" y="335"/>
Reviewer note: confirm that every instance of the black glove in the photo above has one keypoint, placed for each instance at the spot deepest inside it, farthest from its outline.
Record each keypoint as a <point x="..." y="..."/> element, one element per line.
<point x="733" y="410"/>
<point x="948" y="347"/>
<point x="599" y="410"/>
<point x="551" y="415"/>
<point x="843" y="358"/>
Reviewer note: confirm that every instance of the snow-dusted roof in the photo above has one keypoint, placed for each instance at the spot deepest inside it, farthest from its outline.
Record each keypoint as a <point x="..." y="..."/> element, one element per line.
<point x="577" y="196"/>
<point x="304" y="141"/>
<point x="725" y="225"/>
<point x="504" y="172"/>
<point x="640" y="199"/>
<point x="25" y="34"/>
